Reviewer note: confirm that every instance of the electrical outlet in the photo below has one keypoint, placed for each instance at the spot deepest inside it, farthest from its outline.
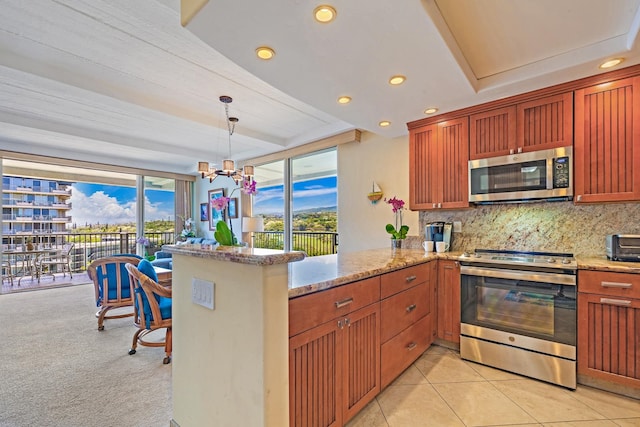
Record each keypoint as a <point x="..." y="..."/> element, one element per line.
<point x="202" y="292"/>
<point x="457" y="226"/>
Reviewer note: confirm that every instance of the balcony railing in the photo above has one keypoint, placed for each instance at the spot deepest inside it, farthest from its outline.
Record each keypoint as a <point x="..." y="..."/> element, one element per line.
<point x="90" y="246"/>
<point x="314" y="243"/>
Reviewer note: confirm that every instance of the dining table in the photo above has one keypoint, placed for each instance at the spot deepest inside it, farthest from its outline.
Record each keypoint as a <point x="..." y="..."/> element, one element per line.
<point x="26" y="261"/>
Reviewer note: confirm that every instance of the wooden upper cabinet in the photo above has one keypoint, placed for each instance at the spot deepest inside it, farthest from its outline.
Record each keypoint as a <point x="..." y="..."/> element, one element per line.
<point x="607" y="142"/>
<point x="540" y="124"/>
<point x="438" y="165"/>
<point x="422" y="185"/>
<point x="492" y="133"/>
<point x="545" y="123"/>
<point x="453" y="144"/>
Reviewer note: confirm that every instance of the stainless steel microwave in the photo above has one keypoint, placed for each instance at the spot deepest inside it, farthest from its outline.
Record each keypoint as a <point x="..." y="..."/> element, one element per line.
<point x="522" y="177"/>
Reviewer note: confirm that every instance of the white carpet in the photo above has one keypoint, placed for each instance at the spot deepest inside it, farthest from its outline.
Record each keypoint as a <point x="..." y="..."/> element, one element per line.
<point x="57" y="369"/>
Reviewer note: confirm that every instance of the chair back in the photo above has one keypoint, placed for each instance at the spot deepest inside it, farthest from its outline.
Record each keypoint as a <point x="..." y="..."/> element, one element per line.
<point x="111" y="280"/>
<point x="152" y="307"/>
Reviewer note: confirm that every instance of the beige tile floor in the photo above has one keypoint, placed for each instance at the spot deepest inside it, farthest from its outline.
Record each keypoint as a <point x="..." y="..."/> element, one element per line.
<point x="440" y="389"/>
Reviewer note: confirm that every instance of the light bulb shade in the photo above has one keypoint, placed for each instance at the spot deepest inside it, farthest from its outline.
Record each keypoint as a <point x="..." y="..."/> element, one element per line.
<point x="252" y="224"/>
<point x="248" y="171"/>
<point x="203" y="167"/>
<point x="228" y="166"/>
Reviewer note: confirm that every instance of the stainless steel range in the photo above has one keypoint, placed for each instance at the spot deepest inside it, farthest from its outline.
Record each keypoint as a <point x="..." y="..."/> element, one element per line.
<point x="519" y="313"/>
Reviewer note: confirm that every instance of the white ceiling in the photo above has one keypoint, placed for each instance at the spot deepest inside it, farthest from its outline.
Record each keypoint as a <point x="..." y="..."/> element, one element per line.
<point x="121" y="82"/>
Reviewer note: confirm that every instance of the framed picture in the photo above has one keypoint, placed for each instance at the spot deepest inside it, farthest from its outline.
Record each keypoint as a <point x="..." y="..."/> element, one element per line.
<point x="214" y="214"/>
<point x="233" y="207"/>
<point x="204" y="211"/>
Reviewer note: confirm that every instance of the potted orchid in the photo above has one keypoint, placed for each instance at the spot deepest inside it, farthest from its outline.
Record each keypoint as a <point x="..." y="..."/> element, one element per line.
<point x="224" y="233"/>
<point x="399" y="231"/>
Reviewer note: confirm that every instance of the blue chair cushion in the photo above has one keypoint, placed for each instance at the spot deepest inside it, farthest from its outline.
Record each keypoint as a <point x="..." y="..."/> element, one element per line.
<point x="111" y="281"/>
<point x="145" y="267"/>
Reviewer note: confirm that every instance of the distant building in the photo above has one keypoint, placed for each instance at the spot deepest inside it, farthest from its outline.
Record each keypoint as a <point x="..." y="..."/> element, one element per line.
<point x="34" y="206"/>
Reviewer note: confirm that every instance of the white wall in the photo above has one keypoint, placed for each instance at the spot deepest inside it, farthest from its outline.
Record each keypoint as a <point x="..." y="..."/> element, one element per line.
<point x="201" y="193"/>
<point x="361" y="224"/>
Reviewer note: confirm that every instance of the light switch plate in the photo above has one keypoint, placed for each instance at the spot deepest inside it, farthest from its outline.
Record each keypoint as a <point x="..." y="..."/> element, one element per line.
<point x="457" y="226"/>
<point x="202" y="292"/>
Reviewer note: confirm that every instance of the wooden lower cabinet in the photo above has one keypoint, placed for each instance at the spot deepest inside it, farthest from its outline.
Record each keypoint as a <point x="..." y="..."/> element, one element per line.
<point x="609" y="327"/>
<point x="402" y="350"/>
<point x="449" y="300"/>
<point x="334" y="369"/>
<point x="407" y="315"/>
<point x="338" y="360"/>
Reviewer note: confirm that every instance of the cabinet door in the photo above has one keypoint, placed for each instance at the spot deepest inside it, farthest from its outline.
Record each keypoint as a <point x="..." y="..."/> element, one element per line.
<point x="423" y="187"/>
<point x="607" y="142"/>
<point x="449" y="300"/>
<point x="361" y="359"/>
<point x="545" y="123"/>
<point x="453" y="172"/>
<point x="492" y="133"/>
<point x="608" y="338"/>
<point x="315" y="377"/>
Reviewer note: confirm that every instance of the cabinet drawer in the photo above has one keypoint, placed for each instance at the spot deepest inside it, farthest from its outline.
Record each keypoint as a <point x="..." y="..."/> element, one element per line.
<point x="403" y="309"/>
<point x="401" y="351"/>
<point x="625" y="285"/>
<point x="398" y="281"/>
<point x="311" y="310"/>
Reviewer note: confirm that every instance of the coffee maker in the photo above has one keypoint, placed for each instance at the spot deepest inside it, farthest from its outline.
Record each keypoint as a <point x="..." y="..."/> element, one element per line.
<point x="439" y="232"/>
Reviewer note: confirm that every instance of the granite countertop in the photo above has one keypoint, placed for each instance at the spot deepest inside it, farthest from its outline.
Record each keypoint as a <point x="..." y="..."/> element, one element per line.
<point x="323" y="272"/>
<point x="239" y="254"/>
<point x="603" y="264"/>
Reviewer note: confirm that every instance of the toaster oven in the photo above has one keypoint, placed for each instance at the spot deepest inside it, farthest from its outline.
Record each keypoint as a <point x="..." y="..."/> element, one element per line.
<point x="623" y="247"/>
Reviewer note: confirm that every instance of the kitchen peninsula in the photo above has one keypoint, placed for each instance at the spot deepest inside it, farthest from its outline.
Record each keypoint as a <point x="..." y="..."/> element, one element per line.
<point x="230" y="342"/>
<point x="232" y="362"/>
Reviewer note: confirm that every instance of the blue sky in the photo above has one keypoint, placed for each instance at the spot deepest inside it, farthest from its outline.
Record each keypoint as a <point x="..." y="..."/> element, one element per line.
<point x="110" y="204"/>
<point x="321" y="192"/>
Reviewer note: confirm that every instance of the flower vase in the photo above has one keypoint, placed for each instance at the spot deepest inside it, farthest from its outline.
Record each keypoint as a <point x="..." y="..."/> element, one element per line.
<point x="396" y="243"/>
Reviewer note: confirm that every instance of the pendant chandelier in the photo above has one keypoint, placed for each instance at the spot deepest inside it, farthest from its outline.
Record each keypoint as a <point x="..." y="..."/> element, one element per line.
<point x="228" y="165"/>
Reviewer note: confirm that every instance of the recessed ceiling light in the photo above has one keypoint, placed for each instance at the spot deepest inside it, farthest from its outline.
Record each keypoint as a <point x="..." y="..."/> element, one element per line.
<point x="611" y="63"/>
<point x="430" y="110"/>
<point x="384" y="123"/>
<point x="324" y="14"/>
<point x="397" y="80"/>
<point x="265" y="52"/>
<point x="344" y="100"/>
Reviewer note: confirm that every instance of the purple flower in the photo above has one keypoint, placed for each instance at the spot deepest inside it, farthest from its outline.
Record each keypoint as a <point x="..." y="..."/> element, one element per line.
<point x="142" y="241"/>
<point x="396" y="204"/>
<point x="220" y="203"/>
<point x="249" y="187"/>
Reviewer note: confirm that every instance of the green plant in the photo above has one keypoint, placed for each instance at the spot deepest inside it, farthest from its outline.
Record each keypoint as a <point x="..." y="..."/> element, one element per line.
<point x="397" y="234"/>
<point x="224" y="235"/>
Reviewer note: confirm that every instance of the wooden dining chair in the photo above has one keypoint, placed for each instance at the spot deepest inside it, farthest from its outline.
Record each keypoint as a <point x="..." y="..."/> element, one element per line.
<point x="152" y="308"/>
<point x="111" y="284"/>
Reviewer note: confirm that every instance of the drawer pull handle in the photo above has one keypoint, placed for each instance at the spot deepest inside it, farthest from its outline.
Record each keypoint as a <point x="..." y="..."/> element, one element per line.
<point x="344" y="302"/>
<point x="411" y="308"/>
<point x="615" y="285"/>
<point x="612" y="301"/>
<point x="410" y="279"/>
<point x="411" y="346"/>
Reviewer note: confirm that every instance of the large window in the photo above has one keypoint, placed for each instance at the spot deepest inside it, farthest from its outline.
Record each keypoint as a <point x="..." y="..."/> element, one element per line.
<point x="298" y="199"/>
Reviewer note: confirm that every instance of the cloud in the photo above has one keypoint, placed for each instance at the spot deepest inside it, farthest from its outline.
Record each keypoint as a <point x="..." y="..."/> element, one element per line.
<point x="102" y="208"/>
<point x="314" y="191"/>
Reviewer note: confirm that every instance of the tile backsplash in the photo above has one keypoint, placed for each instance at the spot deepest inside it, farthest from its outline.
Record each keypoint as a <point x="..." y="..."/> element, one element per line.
<point x="545" y="226"/>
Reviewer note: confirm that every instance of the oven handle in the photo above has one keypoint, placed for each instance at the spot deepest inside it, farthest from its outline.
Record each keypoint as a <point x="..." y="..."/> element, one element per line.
<point x="531" y="276"/>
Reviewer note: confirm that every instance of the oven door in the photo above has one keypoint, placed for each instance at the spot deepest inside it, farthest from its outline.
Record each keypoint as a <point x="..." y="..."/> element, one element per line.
<point x="539" y="305"/>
